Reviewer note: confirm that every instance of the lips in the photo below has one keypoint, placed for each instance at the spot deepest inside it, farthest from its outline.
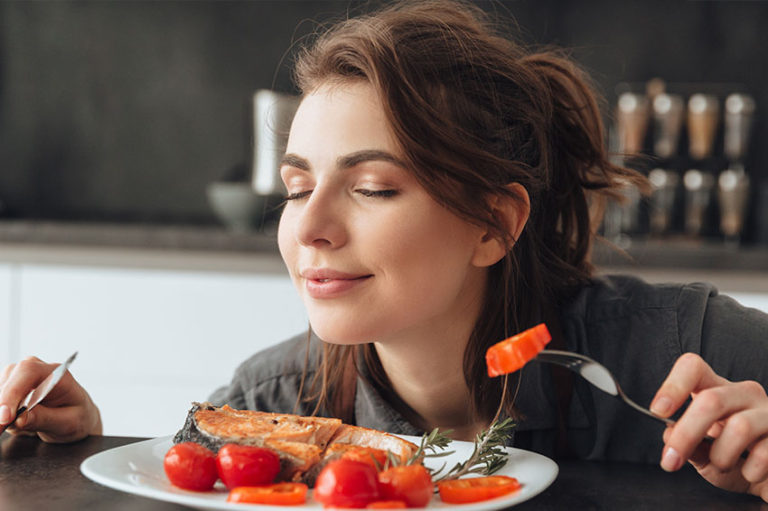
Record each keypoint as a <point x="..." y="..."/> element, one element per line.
<point x="327" y="283"/>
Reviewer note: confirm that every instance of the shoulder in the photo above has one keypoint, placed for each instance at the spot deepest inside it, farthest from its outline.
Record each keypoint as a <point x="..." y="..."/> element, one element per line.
<point x="625" y="294"/>
<point x="634" y="317"/>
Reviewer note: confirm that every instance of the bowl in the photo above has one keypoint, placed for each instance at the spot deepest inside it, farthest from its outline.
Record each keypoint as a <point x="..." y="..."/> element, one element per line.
<point x="239" y="207"/>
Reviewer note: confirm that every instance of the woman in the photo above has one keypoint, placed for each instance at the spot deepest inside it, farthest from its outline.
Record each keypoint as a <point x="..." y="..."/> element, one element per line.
<point x="443" y="190"/>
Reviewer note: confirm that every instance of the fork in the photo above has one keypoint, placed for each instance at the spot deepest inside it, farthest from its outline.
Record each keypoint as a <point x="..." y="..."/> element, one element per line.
<point x="596" y="374"/>
<point x="599" y="376"/>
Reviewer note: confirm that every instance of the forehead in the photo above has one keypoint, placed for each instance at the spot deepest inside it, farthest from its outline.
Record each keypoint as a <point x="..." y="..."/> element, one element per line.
<point x="341" y="118"/>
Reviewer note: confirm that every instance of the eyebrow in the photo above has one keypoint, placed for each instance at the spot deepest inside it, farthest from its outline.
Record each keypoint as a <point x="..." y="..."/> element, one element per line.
<point x="347" y="161"/>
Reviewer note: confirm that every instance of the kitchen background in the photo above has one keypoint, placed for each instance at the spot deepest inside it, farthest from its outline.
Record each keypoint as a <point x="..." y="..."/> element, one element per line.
<point x="116" y="116"/>
<point x="125" y="110"/>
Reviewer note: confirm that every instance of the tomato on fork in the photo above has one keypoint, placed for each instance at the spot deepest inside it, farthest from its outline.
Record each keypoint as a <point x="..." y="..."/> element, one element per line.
<point x="511" y="354"/>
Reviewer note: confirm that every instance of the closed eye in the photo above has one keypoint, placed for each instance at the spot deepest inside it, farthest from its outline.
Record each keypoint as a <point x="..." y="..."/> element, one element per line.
<point x="376" y="193"/>
<point x="298" y="195"/>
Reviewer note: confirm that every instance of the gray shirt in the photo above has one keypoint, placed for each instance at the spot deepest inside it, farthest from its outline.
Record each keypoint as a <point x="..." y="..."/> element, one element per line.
<point x="637" y="330"/>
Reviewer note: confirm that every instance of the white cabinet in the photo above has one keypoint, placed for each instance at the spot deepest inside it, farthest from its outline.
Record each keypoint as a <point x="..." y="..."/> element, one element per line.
<point x="150" y="342"/>
<point x="7" y="323"/>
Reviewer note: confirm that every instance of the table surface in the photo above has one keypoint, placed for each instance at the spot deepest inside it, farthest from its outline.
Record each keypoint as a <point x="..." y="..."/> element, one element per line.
<point x="35" y="475"/>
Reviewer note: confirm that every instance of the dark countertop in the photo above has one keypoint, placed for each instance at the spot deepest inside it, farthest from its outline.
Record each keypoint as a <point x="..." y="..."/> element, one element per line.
<point x="35" y="476"/>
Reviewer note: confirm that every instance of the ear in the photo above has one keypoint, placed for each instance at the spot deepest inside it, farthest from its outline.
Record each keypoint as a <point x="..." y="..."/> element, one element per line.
<point x="511" y="212"/>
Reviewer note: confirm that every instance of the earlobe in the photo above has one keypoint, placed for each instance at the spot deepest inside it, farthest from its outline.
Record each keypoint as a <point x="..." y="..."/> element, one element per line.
<point x="512" y="213"/>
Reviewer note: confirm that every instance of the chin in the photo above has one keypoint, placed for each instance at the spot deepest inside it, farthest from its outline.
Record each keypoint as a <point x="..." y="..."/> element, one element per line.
<point x="350" y="335"/>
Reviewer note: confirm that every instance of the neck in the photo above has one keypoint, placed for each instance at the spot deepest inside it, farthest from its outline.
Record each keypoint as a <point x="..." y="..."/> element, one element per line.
<point x="426" y="371"/>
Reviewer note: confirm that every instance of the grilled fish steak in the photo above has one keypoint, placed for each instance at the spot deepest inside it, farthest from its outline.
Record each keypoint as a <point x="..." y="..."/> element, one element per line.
<point x="304" y="444"/>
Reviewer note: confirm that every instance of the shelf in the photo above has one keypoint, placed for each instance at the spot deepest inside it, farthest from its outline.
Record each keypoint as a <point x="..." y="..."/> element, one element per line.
<point x="149" y="236"/>
<point x="683" y="254"/>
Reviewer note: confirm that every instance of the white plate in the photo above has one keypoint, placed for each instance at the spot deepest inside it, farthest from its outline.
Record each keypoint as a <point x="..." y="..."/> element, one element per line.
<point x="138" y="468"/>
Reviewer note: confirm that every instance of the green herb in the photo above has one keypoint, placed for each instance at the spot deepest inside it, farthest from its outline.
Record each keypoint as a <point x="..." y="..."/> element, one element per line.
<point x="488" y="455"/>
<point x="432" y="442"/>
<point x="428" y="448"/>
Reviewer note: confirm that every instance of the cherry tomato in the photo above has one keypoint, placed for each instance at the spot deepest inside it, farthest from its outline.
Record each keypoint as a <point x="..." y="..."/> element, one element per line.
<point x="347" y="483"/>
<point x="377" y="458"/>
<point x="410" y="483"/>
<point x="246" y="465"/>
<point x="279" y="494"/>
<point x="190" y="466"/>
<point x="475" y="489"/>
<point x="511" y="354"/>
<point x="386" y="504"/>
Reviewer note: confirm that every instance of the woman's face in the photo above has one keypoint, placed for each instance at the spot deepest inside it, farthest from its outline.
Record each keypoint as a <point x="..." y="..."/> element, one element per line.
<point x="372" y="255"/>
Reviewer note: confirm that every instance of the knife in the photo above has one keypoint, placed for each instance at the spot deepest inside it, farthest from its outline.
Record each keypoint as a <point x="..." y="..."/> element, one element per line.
<point x="37" y="395"/>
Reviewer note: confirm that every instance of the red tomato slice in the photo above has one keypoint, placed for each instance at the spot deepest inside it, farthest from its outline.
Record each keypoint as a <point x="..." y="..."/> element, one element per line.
<point x="377" y="458"/>
<point x="279" y="494"/>
<point x="475" y="489"/>
<point x="246" y="465"/>
<point x="409" y="483"/>
<point x="347" y="483"/>
<point x="386" y="504"/>
<point x="190" y="466"/>
<point x="511" y="354"/>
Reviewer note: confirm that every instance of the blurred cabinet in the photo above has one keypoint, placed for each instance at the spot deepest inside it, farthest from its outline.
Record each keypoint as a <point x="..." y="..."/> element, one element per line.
<point x="7" y="326"/>
<point x="149" y="341"/>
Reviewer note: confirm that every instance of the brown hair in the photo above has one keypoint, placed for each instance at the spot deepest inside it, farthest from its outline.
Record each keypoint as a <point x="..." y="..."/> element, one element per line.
<point x="473" y="112"/>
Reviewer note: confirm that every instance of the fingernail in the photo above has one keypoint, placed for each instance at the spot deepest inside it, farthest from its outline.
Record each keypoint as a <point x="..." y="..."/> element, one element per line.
<point x="661" y="406"/>
<point x="5" y="414"/>
<point x="671" y="460"/>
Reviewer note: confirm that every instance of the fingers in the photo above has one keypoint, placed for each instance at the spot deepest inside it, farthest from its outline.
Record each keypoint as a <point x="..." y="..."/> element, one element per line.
<point x="6" y="373"/>
<point x="738" y="405"/>
<point x="689" y="375"/>
<point x="731" y="416"/>
<point x="755" y="469"/>
<point x="741" y="431"/>
<point x="56" y="425"/>
<point x="18" y="380"/>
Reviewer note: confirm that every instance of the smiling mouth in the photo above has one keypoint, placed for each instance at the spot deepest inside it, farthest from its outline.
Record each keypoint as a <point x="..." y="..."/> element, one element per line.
<point x="324" y="288"/>
<point x="323" y="281"/>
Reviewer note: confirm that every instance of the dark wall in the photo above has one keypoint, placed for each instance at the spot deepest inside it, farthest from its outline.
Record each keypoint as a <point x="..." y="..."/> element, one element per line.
<point x="116" y="110"/>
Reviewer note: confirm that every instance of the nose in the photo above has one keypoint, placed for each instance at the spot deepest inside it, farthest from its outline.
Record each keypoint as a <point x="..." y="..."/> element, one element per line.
<point x="320" y="223"/>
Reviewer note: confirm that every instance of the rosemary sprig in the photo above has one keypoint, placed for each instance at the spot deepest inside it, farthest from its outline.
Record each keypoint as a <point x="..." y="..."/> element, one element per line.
<point x="432" y="442"/>
<point x="488" y="454"/>
<point x="428" y="448"/>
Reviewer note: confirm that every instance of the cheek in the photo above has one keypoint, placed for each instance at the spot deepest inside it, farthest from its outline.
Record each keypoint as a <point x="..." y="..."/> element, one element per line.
<point x="286" y="241"/>
<point x="428" y="256"/>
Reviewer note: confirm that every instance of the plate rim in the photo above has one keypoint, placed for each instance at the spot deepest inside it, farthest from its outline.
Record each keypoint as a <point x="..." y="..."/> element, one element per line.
<point x="87" y="469"/>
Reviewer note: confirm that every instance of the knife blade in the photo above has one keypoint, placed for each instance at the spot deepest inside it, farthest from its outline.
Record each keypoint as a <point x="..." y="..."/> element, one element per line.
<point x="37" y="395"/>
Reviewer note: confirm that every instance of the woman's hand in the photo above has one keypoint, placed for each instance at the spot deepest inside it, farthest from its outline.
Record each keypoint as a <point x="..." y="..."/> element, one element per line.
<point x="735" y="414"/>
<point x="65" y="415"/>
